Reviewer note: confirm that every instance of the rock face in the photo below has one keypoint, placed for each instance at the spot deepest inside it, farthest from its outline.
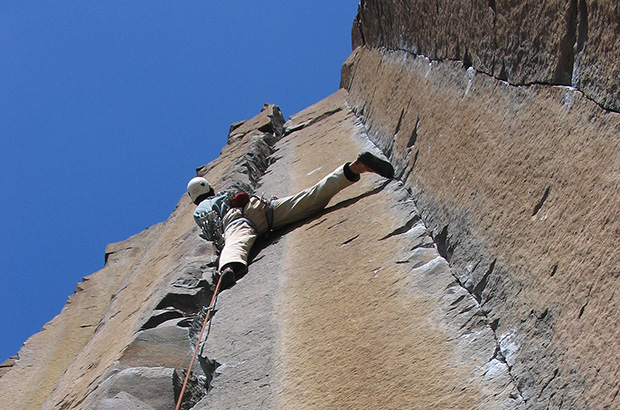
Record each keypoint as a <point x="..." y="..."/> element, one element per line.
<point x="519" y="184"/>
<point x="562" y="42"/>
<point x="485" y="275"/>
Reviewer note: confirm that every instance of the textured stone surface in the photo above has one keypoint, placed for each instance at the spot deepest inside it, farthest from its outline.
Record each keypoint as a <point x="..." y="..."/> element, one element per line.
<point x="166" y="345"/>
<point x="335" y="315"/>
<point x="138" y="312"/>
<point x="570" y="42"/>
<point x="46" y="355"/>
<point x="123" y="401"/>
<point x="519" y="186"/>
<point x="485" y="276"/>
<point x="153" y="386"/>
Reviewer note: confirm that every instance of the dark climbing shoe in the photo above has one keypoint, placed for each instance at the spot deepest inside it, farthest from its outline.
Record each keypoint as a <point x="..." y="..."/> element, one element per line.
<point x="228" y="279"/>
<point x="377" y="165"/>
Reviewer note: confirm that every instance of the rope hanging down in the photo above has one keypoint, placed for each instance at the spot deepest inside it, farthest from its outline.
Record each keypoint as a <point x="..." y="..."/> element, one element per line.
<point x="204" y="325"/>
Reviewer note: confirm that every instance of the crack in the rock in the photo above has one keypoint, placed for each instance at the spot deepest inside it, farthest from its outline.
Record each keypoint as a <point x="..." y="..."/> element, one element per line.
<point x="414" y="134"/>
<point x="197" y="386"/>
<point x="403" y="229"/>
<point x="477" y="290"/>
<point x="458" y="300"/>
<point x="504" y="78"/>
<point x="442" y="243"/>
<point x="548" y="382"/>
<point x="316" y="224"/>
<point x="554" y="270"/>
<point x="493" y="325"/>
<point x="563" y="74"/>
<point x="337" y="223"/>
<point x="184" y="302"/>
<point x="542" y="200"/>
<point x="349" y="240"/>
<point x="400" y="121"/>
<point x="313" y="121"/>
<point x="162" y="317"/>
<point x="583" y="308"/>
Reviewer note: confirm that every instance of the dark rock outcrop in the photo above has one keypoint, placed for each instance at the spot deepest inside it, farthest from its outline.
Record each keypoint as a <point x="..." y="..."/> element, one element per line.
<point x="562" y="42"/>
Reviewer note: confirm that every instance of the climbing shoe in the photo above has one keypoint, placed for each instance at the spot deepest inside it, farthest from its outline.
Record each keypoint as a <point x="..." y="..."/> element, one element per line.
<point x="376" y="164"/>
<point x="227" y="279"/>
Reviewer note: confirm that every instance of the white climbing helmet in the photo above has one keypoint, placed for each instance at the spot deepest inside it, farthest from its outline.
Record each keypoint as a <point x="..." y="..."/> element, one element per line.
<point x="197" y="186"/>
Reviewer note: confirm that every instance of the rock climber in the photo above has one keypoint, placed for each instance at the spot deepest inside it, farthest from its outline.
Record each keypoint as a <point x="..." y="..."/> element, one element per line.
<point x="233" y="219"/>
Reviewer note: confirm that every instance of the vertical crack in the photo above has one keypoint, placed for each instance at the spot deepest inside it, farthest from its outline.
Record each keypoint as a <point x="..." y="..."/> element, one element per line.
<point x="503" y="74"/>
<point x="542" y="200"/>
<point x="414" y="134"/>
<point x="564" y="69"/>
<point x="446" y="252"/>
<point x="441" y="240"/>
<point x="582" y="30"/>
<point x="583" y="307"/>
<point x="580" y="42"/>
<point x="467" y="61"/>
<point x="479" y="288"/>
<point x="400" y="121"/>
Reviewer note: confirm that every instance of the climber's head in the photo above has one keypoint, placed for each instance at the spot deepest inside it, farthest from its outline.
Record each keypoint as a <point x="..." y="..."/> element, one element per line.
<point x="199" y="189"/>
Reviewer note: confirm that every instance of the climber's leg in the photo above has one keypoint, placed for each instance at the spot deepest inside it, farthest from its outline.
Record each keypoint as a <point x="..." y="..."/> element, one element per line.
<point x="311" y="200"/>
<point x="239" y="239"/>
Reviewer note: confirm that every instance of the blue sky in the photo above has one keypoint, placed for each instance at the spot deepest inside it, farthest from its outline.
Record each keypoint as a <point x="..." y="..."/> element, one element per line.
<point x="107" y="108"/>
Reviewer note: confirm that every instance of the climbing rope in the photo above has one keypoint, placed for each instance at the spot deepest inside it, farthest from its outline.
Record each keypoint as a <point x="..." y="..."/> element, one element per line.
<point x="204" y="325"/>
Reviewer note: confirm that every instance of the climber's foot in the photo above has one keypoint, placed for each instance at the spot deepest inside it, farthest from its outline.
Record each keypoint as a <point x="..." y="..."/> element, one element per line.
<point x="376" y="164"/>
<point x="227" y="279"/>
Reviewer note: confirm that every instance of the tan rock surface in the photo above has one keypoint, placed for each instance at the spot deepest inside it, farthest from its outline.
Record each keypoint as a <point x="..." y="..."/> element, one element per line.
<point x="46" y="355"/>
<point x="486" y="277"/>
<point x="355" y="335"/>
<point x="353" y="308"/>
<point x="520" y="187"/>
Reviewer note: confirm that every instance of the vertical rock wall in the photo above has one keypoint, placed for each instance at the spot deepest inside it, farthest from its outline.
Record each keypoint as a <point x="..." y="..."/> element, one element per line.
<point x="485" y="276"/>
<point x="519" y="183"/>
<point x="354" y="307"/>
<point x="567" y="42"/>
<point x="125" y="337"/>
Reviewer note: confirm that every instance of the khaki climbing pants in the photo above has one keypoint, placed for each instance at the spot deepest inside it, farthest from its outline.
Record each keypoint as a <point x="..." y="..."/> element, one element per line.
<point x="240" y="236"/>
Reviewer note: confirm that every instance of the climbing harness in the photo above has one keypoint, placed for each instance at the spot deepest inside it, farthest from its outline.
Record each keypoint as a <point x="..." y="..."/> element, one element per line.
<point x="210" y="214"/>
<point x="242" y="219"/>
<point x="210" y="309"/>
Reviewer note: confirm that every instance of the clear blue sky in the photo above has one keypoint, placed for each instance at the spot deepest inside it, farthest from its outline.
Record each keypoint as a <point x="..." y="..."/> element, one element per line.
<point x="107" y="108"/>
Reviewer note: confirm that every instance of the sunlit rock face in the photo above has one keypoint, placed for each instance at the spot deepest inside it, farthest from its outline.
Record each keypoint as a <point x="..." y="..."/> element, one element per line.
<point x="484" y="276"/>
<point x="513" y="162"/>
<point x="571" y="43"/>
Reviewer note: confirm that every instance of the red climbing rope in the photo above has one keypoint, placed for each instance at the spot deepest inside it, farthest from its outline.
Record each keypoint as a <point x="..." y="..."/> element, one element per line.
<point x="204" y="325"/>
